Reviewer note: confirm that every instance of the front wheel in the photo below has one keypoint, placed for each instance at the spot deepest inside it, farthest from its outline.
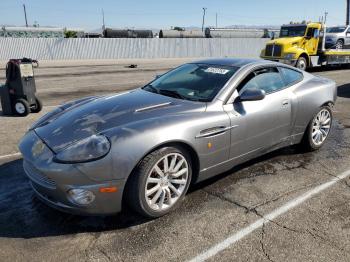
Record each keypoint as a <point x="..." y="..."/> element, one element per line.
<point x="318" y="129"/>
<point x="160" y="182"/>
<point x="339" y="44"/>
<point x="301" y="63"/>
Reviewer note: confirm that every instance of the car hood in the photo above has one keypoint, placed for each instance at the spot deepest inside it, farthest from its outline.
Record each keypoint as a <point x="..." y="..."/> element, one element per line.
<point x="332" y="35"/>
<point x="69" y="124"/>
<point x="286" y="40"/>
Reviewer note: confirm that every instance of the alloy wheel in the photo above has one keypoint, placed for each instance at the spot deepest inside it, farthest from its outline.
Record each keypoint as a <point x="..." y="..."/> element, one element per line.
<point x="321" y="127"/>
<point x="339" y="45"/>
<point x="166" y="182"/>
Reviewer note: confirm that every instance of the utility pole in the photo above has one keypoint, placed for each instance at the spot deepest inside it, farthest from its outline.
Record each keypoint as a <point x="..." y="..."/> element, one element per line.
<point x="204" y="10"/>
<point x="347" y="12"/>
<point x="216" y="20"/>
<point x="25" y="14"/>
<point x="103" y="20"/>
<point x="325" y="17"/>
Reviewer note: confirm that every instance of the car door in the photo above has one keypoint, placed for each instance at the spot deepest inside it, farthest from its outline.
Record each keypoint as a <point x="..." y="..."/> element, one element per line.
<point x="311" y="40"/>
<point x="265" y="122"/>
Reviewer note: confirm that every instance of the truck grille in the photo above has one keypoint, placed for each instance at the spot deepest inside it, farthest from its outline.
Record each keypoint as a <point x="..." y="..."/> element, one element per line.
<point x="273" y="50"/>
<point x="37" y="177"/>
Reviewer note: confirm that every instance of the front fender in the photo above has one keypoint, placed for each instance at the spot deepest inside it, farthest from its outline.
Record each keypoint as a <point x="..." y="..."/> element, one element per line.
<point x="132" y="142"/>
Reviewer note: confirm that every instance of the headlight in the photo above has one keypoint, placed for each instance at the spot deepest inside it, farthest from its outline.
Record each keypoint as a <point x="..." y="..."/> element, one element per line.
<point x="262" y="53"/>
<point x="81" y="196"/>
<point x="88" y="149"/>
<point x="289" y="56"/>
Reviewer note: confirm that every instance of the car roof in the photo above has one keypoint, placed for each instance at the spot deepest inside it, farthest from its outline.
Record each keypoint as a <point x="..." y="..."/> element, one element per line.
<point x="236" y="62"/>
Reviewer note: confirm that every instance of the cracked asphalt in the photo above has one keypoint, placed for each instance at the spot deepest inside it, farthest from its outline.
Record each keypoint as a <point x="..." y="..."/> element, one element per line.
<point x="316" y="230"/>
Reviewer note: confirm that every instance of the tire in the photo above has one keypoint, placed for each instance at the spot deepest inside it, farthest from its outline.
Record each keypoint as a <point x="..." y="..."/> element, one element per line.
<point x="146" y="178"/>
<point x="21" y="107"/>
<point x="339" y="44"/>
<point x="301" y="63"/>
<point x="38" y="106"/>
<point x="309" y="142"/>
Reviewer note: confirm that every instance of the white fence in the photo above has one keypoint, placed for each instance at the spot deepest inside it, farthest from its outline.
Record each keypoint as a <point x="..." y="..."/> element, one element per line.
<point x="117" y="48"/>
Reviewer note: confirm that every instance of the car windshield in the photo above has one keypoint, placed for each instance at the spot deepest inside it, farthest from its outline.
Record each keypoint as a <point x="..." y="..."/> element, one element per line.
<point x="336" y="29"/>
<point x="195" y="82"/>
<point x="291" y="31"/>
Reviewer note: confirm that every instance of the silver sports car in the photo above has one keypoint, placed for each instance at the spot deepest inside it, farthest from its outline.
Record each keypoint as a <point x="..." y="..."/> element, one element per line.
<point x="146" y="146"/>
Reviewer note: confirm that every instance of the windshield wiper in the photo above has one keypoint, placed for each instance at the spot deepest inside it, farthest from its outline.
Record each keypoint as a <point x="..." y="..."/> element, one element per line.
<point x="151" y="89"/>
<point x="172" y="93"/>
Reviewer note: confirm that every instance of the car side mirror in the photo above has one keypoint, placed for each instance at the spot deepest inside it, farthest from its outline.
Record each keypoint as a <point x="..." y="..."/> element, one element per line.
<point x="252" y="95"/>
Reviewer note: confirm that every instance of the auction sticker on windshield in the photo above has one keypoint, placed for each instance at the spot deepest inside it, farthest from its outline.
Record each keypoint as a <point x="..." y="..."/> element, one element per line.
<point x="215" y="70"/>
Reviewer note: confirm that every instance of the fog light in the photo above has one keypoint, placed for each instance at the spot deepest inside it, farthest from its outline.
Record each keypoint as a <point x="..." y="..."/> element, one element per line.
<point x="81" y="196"/>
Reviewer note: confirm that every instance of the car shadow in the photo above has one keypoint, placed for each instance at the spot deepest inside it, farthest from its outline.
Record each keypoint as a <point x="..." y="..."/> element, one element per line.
<point x="22" y="215"/>
<point x="344" y="90"/>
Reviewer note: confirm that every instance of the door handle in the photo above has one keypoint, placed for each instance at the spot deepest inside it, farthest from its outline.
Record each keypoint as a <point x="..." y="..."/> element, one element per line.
<point x="285" y="102"/>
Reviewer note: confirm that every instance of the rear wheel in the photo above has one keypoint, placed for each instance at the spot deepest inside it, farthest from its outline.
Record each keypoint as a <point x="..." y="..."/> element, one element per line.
<point x="160" y="182"/>
<point x="318" y="129"/>
<point x="21" y="107"/>
<point x="301" y="63"/>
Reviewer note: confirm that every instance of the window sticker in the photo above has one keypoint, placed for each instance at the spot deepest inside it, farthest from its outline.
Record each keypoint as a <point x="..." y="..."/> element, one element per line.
<point x="215" y="70"/>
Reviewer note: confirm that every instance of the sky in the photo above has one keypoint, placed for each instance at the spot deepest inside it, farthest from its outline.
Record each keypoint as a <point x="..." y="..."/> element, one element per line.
<point x="162" y="14"/>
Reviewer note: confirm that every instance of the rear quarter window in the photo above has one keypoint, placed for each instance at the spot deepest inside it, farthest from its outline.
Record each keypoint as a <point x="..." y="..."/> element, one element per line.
<point x="291" y="76"/>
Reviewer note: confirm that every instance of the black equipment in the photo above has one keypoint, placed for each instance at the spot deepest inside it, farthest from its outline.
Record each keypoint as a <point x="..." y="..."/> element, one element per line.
<point x="18" y="94"/>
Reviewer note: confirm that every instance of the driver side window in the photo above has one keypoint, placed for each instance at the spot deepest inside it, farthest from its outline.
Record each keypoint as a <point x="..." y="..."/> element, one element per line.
<point x="310" y="32"/>
<point x="267" y="79"/>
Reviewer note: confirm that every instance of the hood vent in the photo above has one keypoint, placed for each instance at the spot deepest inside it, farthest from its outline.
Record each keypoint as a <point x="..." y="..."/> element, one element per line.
<point x="152" y="107"/>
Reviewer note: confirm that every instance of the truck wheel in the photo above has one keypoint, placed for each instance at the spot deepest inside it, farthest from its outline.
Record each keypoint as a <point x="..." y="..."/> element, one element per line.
<point x="301" y="63"/>
<point x="21" y="107"/>
<point x="38" y="106"/>
<point x="339" y="44"/>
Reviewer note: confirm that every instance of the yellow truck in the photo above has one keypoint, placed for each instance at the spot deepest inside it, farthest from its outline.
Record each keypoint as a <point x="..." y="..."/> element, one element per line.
<point x="303" y="46"/>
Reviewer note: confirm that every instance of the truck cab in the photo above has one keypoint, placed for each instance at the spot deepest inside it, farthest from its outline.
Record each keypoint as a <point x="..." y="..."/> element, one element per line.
<point x="295" y="45"/>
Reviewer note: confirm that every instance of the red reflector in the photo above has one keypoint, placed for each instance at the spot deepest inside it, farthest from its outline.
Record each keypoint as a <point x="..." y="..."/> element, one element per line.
<point x="108" y="189"/>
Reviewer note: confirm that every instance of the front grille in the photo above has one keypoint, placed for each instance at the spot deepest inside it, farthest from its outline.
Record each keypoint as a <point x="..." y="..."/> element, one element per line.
<point x="36" y="176"/>
<point x="268" y="50"/>
<point x="273" y="50"/>
<point x="277" y="50"/>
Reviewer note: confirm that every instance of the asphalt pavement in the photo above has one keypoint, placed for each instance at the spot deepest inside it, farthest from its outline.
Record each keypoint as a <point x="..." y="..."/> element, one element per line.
<point x="284" y="206"/>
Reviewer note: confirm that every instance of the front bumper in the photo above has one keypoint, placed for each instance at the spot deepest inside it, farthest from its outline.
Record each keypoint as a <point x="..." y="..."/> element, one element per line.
<point x="104" y="204"/>
<point x="51" y="181"/>
<point x="329" y="43"/>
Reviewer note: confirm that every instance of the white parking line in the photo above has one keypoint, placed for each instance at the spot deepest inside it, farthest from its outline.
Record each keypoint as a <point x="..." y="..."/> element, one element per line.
<point x="10" y="155"/>
<point x="266" y="219"/>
